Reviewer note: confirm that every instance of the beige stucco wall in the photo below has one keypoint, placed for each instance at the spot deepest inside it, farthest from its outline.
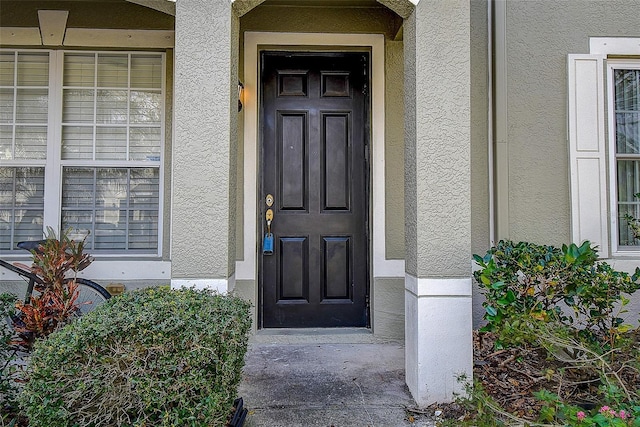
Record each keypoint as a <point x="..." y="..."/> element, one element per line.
<point x="438" y="132"/>
<point x="539" y="35"/>
<point x="394" y="149"/>
<point x="387" y="307"/>
<point x="205" y="140"/>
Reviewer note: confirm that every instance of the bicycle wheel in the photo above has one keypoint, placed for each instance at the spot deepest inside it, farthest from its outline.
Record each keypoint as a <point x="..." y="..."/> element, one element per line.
<point x="90" y="295"/>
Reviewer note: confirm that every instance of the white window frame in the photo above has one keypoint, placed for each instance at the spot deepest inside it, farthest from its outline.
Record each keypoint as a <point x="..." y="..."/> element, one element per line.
<point x="611" y="66"/>
<point x="54" y="163"/>
<point x="592" y="157"/>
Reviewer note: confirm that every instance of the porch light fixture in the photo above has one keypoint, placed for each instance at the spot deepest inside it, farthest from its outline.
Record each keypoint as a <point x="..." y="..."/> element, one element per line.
<point x="240" y="89"/>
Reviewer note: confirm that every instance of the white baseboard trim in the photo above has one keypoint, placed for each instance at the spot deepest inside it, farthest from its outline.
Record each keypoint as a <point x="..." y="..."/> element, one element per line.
<point x="452" y="287"/>
<point x="438" y="337"/>
<point x="219" y="285"/>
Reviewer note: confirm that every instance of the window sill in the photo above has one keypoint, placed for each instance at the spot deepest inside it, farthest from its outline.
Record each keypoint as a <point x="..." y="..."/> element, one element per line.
<point x="624" y="261"/>
<point x="104" y="270"/>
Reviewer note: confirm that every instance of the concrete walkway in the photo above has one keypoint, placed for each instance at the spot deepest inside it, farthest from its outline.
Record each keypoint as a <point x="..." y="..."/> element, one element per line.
<point x="326" y="378"/>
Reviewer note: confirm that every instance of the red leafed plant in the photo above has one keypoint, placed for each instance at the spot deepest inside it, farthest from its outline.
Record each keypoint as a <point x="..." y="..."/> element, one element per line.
<point x="54" y="301"/>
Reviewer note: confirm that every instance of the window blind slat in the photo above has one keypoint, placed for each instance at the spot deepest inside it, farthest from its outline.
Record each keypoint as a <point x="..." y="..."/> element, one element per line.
<point x="6" y="231"/>
<point x="145" y="107"/>
<point x="28" y="225"/>
<point x="77" y="185"/>
<point x="31" y="142"/>
<point x="111" y="229"/>
<point x="77" y="142"/>
<point x="113" y="70"/>
<point x="6" y="187"/>
<point x="79" y="221"/>
<point x="21" y="205"/>
<point x="144" y="144"/>
<point x="32" y="106"/>
<point x="125" y="214"/>
<point x="79" y="69"/>
<point x="146" y="71"/>
<point x="78" y="106"/>
<point x="6" y="146"/>
<point x="29" y="187"/>
<point x="6" y="105"/>
<point x="33" y="69"/>
<point x="111" y="106"/>
<point x="7" y="68"/>
<point x="111" y="143"/>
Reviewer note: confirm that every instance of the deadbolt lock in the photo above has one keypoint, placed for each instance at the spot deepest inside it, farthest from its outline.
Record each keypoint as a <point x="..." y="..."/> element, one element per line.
<point x="269" y="200"/>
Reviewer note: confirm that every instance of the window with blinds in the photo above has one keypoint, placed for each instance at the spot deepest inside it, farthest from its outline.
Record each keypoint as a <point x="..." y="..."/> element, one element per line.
<point x="118" y="206"/>
<point x="24" y="115"/>
<point x="112" y="109"/>
<point x="627" y="148"/>
<point x="101" y="164"/>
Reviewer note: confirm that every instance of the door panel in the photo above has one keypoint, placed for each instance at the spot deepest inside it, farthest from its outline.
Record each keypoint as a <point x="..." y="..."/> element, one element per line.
<point x="314" y="119"/>
<point x="293" y="162"/>
<point x="336" y="183"/>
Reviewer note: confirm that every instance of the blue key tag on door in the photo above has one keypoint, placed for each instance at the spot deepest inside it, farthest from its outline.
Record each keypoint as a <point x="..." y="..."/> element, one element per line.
<point x="267" y="244"/>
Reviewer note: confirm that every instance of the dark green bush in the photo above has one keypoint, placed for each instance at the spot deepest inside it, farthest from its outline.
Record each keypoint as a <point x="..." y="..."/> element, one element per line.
<point x="526" y="283"/>
<point x="8" y="369"/>
<point x="157" y="357"/>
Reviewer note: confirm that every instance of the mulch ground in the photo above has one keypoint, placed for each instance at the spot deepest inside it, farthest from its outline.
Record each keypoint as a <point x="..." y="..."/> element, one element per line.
<point x="511" y="376"/>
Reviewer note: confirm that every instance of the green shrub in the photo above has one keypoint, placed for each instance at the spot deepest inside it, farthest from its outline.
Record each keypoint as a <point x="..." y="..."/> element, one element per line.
<point x="525" y="283"/>
<point x="156" y="357"/>
<point x="566" y="303"/>
<point x="8" y="369"/>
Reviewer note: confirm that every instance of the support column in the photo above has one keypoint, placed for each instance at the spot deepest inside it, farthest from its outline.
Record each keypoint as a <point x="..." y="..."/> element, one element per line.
<point x="438" y="310"/>
<point x="204" y="147"/>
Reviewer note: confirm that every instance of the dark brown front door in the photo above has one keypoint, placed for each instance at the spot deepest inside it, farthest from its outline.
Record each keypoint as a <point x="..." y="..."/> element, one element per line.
<point x="314" y="163"/>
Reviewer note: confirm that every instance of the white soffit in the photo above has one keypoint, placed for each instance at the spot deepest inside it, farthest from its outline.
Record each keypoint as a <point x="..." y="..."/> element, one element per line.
<point x="119" y="38"/>
<point x="20" y="36"/>
<point x="53" y="24"/>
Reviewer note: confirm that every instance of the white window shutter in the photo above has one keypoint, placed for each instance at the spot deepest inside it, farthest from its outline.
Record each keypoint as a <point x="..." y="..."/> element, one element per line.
<point x="587" y="151"/>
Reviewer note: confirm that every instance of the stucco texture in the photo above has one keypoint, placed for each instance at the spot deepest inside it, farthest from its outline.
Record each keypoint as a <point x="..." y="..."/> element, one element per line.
<point x="539" y="35"/>
<point x="387" y="308"/>
<point x="203" y="182"/>
<point x="438" y="211"/>
<point x="394" y="149"/>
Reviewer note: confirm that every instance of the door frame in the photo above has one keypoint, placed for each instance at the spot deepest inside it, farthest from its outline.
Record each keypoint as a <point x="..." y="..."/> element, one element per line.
<point x="254" y="42"/>
<point x="366" y="147"/>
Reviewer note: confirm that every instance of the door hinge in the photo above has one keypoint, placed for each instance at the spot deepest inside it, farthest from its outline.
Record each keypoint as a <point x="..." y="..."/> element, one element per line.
<point x="367" y="301"/>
